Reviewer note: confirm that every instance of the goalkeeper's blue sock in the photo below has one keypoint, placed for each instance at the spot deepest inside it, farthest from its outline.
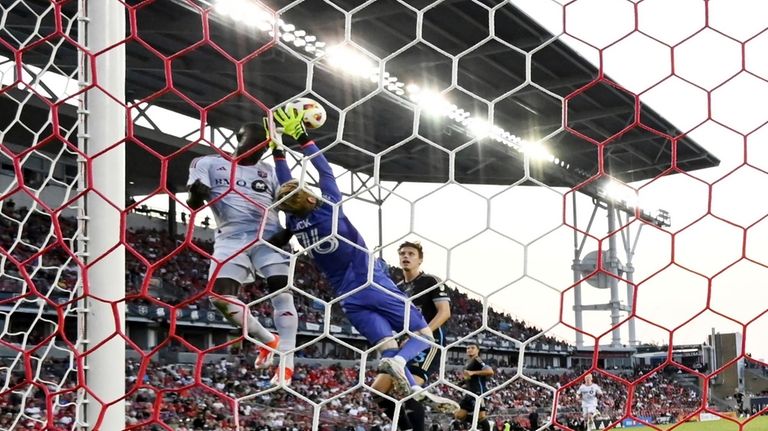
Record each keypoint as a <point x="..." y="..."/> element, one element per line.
<point x="390" y="353"/>
<point x="409" y="376"/>
<point x="412" y="348"/>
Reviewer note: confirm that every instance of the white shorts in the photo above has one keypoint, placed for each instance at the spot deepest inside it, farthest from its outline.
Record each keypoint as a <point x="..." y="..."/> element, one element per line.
<point x="247" y="263"/>
<point x="588" y="410"/>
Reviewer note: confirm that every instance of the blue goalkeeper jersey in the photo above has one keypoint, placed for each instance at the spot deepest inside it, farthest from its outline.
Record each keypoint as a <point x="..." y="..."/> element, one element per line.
<point x="344" y="262"/>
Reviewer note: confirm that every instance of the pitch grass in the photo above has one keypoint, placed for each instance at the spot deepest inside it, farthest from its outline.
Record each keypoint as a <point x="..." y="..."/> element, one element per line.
<point x="757" y="424"/>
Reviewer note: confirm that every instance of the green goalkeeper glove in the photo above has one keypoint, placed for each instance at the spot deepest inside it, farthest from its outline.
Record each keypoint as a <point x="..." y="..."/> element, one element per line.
<point x="293" y="124"/>
<point x="275" y="136"/>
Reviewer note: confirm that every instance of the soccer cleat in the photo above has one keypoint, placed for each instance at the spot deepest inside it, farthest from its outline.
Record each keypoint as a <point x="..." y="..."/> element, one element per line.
<point x="276" y="378"/>
<point x="436" y="402"/>
<point x="396" y="370"/>
<point x="265" y="354"/>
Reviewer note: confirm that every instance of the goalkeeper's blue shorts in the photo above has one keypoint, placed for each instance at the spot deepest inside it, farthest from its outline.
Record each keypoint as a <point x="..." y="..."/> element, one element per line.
<point x="377" y="311"/>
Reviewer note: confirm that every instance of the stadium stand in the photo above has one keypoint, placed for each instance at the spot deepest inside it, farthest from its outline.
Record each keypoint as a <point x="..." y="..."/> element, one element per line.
<point x="187" y="408"/>
<point x="184" y="276"/>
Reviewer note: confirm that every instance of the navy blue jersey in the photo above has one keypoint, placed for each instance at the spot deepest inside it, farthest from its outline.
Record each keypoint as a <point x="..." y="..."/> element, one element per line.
<point x="426" y="302"/>
<point x="344" y="265"/>
<point x="476" y="384"/>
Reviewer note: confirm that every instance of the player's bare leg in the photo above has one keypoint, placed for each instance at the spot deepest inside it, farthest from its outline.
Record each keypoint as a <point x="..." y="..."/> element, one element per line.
<point x="590" y="422"/>
<point x="235" y="311"/>
<point x="482" y="421"/>
<point x="465" y="416"/>
<point x="412" y="414"/>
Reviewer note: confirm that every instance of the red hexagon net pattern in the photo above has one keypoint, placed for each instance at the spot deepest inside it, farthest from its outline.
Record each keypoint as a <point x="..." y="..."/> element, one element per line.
<point x="492" y="95"/>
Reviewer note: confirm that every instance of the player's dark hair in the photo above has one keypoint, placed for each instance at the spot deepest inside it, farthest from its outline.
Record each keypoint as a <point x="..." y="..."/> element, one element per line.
<point x="413" y="244"/>
<point x="477" y="346"/>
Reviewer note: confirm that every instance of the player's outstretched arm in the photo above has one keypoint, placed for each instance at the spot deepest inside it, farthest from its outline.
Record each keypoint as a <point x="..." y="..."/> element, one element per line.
<point x="293" y="126"/>
<point x="327" y="180"/>
<point x="281" y="167"/>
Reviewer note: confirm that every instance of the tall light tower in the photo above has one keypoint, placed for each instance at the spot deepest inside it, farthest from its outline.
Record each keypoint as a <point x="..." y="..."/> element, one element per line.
<point x="584" y="264"/>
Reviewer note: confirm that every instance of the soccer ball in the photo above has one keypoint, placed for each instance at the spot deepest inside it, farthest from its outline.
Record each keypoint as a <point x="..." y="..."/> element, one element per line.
<point x="314" y="113"/>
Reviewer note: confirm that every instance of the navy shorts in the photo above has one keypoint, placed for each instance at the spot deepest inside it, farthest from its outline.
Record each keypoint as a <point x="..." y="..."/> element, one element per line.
<point x="427" y="363"/>
<point x="468" y="404"/>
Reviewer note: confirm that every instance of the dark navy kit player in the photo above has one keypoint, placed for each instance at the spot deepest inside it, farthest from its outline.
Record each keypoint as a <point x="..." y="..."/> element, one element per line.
<point x="476" y="374"/>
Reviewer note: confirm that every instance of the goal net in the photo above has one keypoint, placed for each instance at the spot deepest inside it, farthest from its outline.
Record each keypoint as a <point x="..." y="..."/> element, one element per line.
<point x="577" y="173"/>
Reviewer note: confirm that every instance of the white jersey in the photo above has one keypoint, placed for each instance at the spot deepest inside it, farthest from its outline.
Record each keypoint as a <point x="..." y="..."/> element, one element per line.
<point x="589" y="394"/>
<point x="234" y="213"/>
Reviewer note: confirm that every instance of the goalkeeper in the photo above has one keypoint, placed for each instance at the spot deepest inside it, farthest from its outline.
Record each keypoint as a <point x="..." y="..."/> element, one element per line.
<point x="379" y="309"/>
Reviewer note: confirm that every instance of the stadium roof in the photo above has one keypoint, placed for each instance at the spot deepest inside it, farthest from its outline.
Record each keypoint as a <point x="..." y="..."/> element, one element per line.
<point x="488" y="71"/>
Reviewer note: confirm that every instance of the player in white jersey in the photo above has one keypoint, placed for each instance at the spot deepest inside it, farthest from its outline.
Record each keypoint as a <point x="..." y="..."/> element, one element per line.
<point x="240" y="201"/>
<point x="588" y="392"/>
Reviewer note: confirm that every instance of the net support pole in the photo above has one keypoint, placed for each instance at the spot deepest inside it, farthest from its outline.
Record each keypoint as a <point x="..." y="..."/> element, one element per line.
<point x="577" y="301"/>
<point x="103" y="125"/>
<point x="379" y="204"/>
<point x="631" y="302"/>
<point x="629" y="271"/>
<point x="612" y="265"/>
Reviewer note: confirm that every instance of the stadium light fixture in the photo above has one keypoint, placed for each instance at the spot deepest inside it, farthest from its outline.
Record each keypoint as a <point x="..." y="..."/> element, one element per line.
<point x="247" y="12"/>
<point x="430" y="101"/>
<point x="621" y="192"/>
<point x="353" y="63"/>
<point x="538" y="151"/>
<point x="626" y="199"/>
<point x="479" y="128"/>
<point x="349" y="61"/>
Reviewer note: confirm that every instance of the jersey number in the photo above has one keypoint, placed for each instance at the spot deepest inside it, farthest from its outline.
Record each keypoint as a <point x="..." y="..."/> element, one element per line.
<point x="310" y="237"/>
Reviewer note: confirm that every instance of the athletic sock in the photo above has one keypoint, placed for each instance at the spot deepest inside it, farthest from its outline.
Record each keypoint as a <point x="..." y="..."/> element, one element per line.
<point x="287" y="323"/>
<point x="409" y="376"/>
<point x="412" y="348"/>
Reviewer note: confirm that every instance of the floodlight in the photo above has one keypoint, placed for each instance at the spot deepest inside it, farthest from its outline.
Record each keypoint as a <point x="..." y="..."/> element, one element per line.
<point x="350" y="61"/>
<point x="621" y="192"/>
<point x="353" y="63"/>
<point x="538" y="151"/>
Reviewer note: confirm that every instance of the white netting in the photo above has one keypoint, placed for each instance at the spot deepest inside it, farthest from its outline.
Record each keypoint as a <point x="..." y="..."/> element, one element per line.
<point x="481" y="128"/>
<point x="40" y="274"/>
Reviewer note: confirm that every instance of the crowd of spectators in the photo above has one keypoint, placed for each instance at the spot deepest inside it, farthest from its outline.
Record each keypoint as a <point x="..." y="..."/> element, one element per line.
<point x="205" y="399"/>
<point x="28" y="236"/>
<point x="208" y="404"/>
<point x="184" y="274"/>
